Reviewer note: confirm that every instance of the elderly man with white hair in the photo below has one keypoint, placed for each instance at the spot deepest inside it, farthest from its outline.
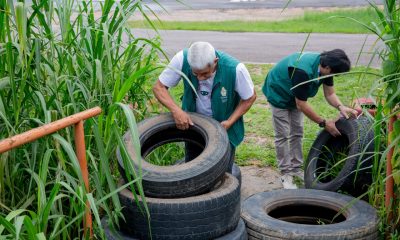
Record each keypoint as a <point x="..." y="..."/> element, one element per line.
<point x="224" y="88"/>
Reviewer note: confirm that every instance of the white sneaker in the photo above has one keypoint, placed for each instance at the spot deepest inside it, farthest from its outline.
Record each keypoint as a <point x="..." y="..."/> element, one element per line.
<point x="287" y="182"/>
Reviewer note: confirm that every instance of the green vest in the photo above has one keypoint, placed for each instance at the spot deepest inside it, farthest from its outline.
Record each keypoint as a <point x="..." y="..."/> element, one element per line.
<point x="224" y="99"/>
<point x="278" y="82"/>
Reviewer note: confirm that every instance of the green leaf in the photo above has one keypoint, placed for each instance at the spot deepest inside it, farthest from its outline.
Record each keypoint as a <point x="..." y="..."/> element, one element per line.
<point x="29" y="227"/>
<point x="4" y="82"/>
<point x="5" y="224"/>
<point x="5" y="221"/>
<point x="71" y="154"/>
<point x="129" y="82"/>
<point x="46" y="211"/>
<point x="40" y="236"/>
<point x="105" y="169"/>
<point x="389" y="67"/>
<point x="18" y="225"/>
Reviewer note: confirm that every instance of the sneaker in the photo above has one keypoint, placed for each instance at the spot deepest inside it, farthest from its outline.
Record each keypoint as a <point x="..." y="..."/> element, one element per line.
<point x="299" y="174"/>
<point x="287" y="182"/>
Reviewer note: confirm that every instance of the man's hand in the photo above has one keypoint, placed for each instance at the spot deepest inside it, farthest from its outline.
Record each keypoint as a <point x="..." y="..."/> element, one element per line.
<point x="226" y="124"/>
<point x="331" y="128"/>
<point x="182" y="119"/>
<point x="347" y="112"/>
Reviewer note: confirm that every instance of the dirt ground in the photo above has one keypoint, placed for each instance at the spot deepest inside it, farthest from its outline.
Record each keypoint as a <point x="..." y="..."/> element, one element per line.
<point x="233" y="14"/>
<point x="257" y="179"/>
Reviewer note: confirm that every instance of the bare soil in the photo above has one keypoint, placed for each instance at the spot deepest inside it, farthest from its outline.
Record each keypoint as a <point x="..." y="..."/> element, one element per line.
<point x="257" y="179"/>
<point x="205" y="15"/>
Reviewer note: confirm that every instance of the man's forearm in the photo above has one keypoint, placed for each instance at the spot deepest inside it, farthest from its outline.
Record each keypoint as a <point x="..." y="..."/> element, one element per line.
<point x="163" y="96"/>
<point x="311" y="114"/>
<point x="333" y="100"/>
<point x="331" y="96"/>
<point x="182" y="119"/>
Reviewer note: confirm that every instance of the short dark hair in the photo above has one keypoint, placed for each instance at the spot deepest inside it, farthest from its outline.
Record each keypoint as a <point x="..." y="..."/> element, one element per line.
<point x="336" y="59"/>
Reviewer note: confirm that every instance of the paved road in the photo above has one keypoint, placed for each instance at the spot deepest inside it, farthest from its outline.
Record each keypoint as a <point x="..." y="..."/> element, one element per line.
<point x="238" y="4"/>
<point x="267" y="47"/>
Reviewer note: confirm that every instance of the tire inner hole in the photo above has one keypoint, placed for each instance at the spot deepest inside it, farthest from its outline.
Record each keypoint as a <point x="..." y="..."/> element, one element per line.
<point x="307" y="214"/>
<point x="171" y="146"/>
<point x="332" y="158"/>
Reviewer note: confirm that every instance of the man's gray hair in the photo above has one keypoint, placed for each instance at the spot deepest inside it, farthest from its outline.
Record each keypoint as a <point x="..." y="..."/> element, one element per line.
<point x="201" y="55"/>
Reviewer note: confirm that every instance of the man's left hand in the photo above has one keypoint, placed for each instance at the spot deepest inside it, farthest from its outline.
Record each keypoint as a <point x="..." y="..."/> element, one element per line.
<point x="348" y="112"/>
<point x="226" y="124"/>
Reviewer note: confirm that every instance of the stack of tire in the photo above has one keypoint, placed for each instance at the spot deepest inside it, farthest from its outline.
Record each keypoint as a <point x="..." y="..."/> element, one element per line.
<point x="355" y="173"/>
<point x="192" y="200"/>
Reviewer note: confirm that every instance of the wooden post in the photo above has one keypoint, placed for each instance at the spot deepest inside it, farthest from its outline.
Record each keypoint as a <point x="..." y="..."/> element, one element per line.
<point x="81" y="155"/>
<point x="36" y="133"/>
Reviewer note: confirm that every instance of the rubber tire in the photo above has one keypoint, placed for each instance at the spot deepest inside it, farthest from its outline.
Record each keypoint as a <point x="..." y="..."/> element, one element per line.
<point x="206" y="216"/>
<point x="361" y="219"/>
<point x="239" y="233"/>
<point x="347" y="180"/>
<point x="189" y="179"/>
<point x="235" y="170"/>
<point x="114" y="235"/>
<point x="237" y="173"/>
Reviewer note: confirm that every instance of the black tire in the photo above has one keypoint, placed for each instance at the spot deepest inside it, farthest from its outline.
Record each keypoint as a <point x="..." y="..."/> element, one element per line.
<point x="114" y="235"/>
<point x="235" y="170"/>
<point x="239" y="233"/>
<point x="206" y="216"/>
<point x="354" y="175"/>
<point x="189" y="179"/>
<point x="308" y="214"/>
<point x="237" y="173"/>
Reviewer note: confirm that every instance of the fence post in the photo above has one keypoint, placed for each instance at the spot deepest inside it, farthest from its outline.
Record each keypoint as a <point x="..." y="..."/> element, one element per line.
<point x="36" y="133"/>
<point x="81" y="155"/>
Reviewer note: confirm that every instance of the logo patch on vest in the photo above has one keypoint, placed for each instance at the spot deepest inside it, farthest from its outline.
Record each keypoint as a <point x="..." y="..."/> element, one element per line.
<point x="223" y="92"/>
<point x="224" y="98"/>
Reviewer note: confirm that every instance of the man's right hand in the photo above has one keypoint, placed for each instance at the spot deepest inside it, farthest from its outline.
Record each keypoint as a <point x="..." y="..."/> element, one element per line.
<point x="331" y="128"/>
<point x="182" y="119"/>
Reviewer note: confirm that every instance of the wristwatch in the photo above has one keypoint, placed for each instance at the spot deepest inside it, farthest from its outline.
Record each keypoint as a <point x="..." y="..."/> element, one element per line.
<point x="322" y="124"/>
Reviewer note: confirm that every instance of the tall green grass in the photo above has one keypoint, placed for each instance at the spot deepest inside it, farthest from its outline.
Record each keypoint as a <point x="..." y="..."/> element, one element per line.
<point x="388" y="30"/>
<point x="312" y="21"/>
<point x="58" y="58"/>
<point x="387" y="89"/>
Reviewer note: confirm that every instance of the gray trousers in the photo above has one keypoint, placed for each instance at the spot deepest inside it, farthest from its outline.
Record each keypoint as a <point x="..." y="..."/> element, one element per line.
<point x="288" y="127"/>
